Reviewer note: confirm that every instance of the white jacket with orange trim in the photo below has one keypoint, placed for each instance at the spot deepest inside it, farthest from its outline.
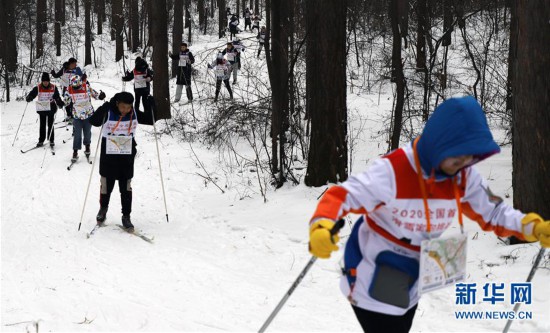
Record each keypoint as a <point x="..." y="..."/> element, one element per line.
<point x="389" y="195"/>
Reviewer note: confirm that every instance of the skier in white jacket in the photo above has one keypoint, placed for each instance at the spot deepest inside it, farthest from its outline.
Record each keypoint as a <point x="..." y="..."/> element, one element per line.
<point x="409" y="195"/>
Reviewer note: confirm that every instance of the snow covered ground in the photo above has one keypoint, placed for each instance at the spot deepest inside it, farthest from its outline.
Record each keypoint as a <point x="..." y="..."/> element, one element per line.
<point x="223" y="261"/>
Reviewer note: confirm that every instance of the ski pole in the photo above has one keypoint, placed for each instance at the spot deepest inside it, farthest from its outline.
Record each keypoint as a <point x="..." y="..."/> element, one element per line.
<point x="158" y="157"/>
<point x="529" y="278"/>
<point x="339" y="224"/>
<point x="49" y="137"/>
<point x="18" y="127"/>
<point x="91" y="172"/>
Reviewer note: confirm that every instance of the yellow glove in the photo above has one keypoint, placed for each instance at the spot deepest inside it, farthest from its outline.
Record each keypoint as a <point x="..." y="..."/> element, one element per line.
<point x="535" y="228"/>
<point x="321" y="243"/>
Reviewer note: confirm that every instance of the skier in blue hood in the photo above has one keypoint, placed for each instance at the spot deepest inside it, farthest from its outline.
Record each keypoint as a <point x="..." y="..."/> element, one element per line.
<point x="410" y="196"/>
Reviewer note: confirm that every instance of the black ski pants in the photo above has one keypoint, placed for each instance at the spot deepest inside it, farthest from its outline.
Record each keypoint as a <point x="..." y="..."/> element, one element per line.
<point x="46" y="116"/>
<point x="260" y="49"/>
<point x="227" y="85"/>
<point x="125" y="187"/>
<point x="375" y="322"/>
<point x="141" y="95"/>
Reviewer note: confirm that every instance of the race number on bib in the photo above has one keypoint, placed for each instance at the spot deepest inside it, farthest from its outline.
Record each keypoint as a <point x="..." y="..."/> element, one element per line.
<point x="442" y="262"/>
<point x="183" y="61"/>
<point x="231" y="56"/>
<point x="119" y="145"/>
<point x="220" y="72"/>
<point x="140" y="81"/>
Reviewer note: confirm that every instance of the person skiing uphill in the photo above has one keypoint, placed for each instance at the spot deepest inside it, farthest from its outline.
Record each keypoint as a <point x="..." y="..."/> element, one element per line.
<point x="256" y="24"/>
<point x="410" y="195"/>
<point x="46" y="107"/>
<point x="68" y="70"/>
<point x="79" y="94"/>
<point x="222" y="70"/>
<point x="247" y="14"/>
<point x="233" y="27"/>
<point x="142" y="77"/>
<point x="234" y="57"/>
<point x="186" y="59"/>
<point x="118" y="150"/>
<point x="262" y="36"/>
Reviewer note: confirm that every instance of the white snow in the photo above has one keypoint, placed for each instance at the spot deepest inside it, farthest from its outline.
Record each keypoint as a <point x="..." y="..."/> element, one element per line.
<point x="223" y="261"/>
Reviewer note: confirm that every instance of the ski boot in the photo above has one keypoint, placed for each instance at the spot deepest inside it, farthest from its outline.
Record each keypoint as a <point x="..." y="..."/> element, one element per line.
<point x="52" y="144"/>
<point x="101" y="215"/>
<point x="127" y="224"/>
<point x="87" y="151"/>
<point x="75" y="156"/>
<point x="40" y="144"/>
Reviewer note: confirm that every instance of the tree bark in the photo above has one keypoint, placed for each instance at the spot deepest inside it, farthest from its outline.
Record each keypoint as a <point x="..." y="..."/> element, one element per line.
<point x="397" y="75"/>
<point x="326" y="98"/>
<point x="188" y="19"/>
<point x="100" y="15"/>
<point x="134" y="23"/>
<point x="118" y="24"/>
<point x="177" y="32"/>
<point x="57" y="26"/>
<point x="40" y="26"/>
<point x="8" y="52"/>
<point x="222" y="17"/>
<point x="76" y="8"/>
<point x="202" y="14"/>
<point x="87" y="32"/>
<point x="530" y="117"/>
<point x="159" y="31"/>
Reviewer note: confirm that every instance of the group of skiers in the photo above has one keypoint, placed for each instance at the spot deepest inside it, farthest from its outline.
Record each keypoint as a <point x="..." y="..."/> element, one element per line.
<point x="118" y="117"/>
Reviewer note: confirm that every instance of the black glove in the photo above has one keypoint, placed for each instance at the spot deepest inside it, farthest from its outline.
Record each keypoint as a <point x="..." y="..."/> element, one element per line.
<point x="209" y="66"/>
<point x="28" y="100"/>
<point x="53" y="72"/>
<point x="101" y="95"/>
<point x="60" y="104"/>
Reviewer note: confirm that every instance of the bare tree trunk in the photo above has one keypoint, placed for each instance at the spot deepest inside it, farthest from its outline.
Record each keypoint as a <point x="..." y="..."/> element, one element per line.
<point x="326" y="103"/>
<point x="118" y="21"/>
<point x="397" y="75"/>
<point x="63" y="13"/>
<point x="100" y="15"/>
<point x="40" y="24"/>
<point x="177" y="32"/>
<point x="222" y="18"/>
<point x="530" y="116"/>
<point x="87" y="32"/>
<point x="8" y="52"/>
<point x="257" y="7"/>
<point x="239" y="8"/>
<point x="57" y="26"/>
<point x="212" y="6"/>
<point x="202" y="15"/>
<point x="188" y="19"/>
<point x="134" y="23"/>
<point x="160" y="54"/>
<point x="76" y="9"/>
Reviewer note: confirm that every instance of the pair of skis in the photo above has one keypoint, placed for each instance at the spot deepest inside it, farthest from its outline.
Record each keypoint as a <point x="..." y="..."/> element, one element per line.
<point x="134" y="232"/>
<point x="73" y="163"/>
<point x="52" y="148"/>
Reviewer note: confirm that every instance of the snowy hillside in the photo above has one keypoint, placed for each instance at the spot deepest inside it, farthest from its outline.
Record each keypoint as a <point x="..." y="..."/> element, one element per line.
<point x="224" y="260"/>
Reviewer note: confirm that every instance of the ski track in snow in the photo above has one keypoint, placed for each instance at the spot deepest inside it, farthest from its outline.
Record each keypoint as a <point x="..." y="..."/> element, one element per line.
<point x="220" y="264"/>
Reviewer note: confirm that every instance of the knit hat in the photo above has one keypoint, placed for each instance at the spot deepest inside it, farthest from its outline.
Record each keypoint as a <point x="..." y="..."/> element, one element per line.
<point x="183" y="44"/>
<point x="72" y="60"/>
<point x="45" y="77"/>
<point x="124" y="97"/>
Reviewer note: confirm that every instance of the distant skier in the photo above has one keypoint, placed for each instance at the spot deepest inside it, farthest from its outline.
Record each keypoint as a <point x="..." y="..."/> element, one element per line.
<point x="46" y="107"/>
<point x="79" y="94"/>
<point x="410" y="195"/>
<point x="262" y="37"/>
<point x="233" y="26"/>
<point x="186" y="59"/>
<point x="222" y="70"/>
<point x="256" y="24"/>
<point x="234" y="57"/>
<point x="247" y="19"/>
<point x="69" y="69"/>
<point x="118" y="150"/>
<point x="142" y="77"/>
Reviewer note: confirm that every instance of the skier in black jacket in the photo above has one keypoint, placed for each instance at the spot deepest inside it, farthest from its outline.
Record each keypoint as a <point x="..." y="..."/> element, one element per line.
<point x="118" y="150"/>
<point x="142" y="76"/>
<point x="46" y="107"/>
<point x="233" y="26"/>
<point x="186" y="59"/>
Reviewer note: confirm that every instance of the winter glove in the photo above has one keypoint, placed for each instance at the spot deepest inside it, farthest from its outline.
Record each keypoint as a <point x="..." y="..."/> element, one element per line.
<point x="28" y="100"/>
<point x="60" y="104"/>
<point x="101" y="95"/>
<point x="53" y="73"/>
<point x="209" y="66"/>
<point x="148" y="79"/>
<point x="321" y="242"/>
<point x="534" y="228"/>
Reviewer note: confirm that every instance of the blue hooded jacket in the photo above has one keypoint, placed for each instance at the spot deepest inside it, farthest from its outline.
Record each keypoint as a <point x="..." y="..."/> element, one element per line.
<point x="457" y="127"/>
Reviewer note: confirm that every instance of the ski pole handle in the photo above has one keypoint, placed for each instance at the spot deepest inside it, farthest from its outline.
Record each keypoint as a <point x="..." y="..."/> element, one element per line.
<point x="337" y="226"/>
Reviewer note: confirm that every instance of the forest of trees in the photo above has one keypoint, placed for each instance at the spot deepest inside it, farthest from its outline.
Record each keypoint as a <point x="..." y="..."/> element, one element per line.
<point x="317" y="52"/>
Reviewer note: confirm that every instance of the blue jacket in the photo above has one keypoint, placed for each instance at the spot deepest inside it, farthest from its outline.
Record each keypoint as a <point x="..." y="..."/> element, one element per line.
<point x="457" y="127"/>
